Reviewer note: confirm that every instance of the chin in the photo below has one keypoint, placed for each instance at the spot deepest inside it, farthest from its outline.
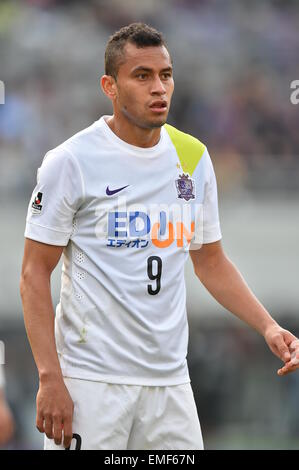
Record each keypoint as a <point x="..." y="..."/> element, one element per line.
<point x="158" y="124"/>
<point x="140" y="121"/>
<point x="153" y="124"/>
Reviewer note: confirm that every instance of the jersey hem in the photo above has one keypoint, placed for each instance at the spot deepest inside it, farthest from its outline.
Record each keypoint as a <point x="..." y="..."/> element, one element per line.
<point x="73" y="374"/>
<point x="212" y="238"/>
<point x="46" y="235"/>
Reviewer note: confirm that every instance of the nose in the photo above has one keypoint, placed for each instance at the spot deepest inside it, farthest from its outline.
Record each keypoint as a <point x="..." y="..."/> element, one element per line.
<point x="158" y="87"/>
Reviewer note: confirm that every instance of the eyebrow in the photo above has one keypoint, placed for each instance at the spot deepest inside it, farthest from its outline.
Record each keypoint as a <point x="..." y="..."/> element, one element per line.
<point x="148" y="69"/>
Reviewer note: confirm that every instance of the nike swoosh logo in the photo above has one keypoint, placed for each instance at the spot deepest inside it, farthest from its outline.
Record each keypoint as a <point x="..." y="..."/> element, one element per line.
<point x="109" y="192"/>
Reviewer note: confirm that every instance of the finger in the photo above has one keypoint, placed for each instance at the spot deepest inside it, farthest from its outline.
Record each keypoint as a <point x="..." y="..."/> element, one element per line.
<point x="285" y="370"/>
<point x="289" y="337"/>
<point x="40" y="422"/>
<point x="57" y="429"/>
<point x="283" y="349"/>
<point x="289" y="367"/>
<point x="295" y="344"/>
<point x="48" y="425"/>
<point x="67" y="431"/>
<point x="295" y="357"/>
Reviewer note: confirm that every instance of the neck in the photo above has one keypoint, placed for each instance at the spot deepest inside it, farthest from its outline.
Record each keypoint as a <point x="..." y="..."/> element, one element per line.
<point x="133" y="134"/>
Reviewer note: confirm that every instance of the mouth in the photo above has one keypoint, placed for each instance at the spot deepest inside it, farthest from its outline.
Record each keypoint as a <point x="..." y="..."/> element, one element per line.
<point x="159" y="106"/>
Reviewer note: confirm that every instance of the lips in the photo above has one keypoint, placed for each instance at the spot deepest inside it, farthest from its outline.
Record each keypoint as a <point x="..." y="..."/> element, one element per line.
<point x="159" y="107"/>
<point x="159" y="104"/>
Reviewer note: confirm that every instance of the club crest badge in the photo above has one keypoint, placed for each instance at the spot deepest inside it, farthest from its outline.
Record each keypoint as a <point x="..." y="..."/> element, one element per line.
<point x="185" y="187"/>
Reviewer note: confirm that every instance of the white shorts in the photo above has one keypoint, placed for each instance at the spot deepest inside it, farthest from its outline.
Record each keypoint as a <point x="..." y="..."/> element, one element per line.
<point x="133" y="417"/>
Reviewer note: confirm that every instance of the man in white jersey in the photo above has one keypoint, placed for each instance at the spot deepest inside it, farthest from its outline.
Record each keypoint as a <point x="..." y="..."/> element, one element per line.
<point x="125" y="201"/>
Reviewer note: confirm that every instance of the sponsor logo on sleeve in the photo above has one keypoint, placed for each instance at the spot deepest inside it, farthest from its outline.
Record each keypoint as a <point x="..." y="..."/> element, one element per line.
<point x="37" y="206"/>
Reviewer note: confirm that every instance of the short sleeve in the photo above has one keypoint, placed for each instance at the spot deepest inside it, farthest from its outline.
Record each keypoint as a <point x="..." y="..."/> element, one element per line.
<point x="58" y="194"/>
<point x="211" y="222"/>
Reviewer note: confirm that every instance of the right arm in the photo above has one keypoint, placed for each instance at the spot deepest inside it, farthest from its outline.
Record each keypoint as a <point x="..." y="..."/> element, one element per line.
<point x="54" y="404"/>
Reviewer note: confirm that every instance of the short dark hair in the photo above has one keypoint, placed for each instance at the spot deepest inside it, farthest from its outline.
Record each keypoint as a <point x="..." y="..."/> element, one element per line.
<point x="139" y="34"/>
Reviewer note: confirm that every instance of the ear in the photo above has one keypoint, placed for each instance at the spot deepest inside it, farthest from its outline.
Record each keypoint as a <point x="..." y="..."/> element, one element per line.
<point x="108" y="85"/>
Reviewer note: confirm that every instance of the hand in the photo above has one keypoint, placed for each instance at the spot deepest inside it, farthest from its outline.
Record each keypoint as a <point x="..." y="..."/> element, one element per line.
<point x="285" y="346"/>
<point x="293" y="364"/>
<point x="55" y="411"/>
<point x="6" y="421"/>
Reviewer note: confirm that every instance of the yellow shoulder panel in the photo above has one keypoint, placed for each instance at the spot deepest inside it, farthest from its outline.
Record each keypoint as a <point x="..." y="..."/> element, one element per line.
<point x="189" y="149"/>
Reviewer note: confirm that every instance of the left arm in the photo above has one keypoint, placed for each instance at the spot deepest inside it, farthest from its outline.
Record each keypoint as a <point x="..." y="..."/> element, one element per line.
<point x="226" y="284"/>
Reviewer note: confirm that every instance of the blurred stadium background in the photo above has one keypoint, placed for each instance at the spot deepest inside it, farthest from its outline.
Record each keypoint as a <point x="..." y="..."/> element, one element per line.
<point x="234" y="62"/>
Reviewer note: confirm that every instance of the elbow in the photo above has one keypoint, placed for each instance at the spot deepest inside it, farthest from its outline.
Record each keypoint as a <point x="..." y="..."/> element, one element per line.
<point x="209" y="266"/>
<point x="28" y="280"/>
<point x="199" y="271"/>
<point x="24" y="282"/>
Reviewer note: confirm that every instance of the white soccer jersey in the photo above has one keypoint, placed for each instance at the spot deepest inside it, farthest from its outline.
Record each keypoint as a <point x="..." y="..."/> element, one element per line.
<point x="126" y="216"/>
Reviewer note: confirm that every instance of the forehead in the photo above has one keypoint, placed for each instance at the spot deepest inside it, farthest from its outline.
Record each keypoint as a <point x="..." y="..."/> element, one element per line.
<point x="154" y="57"/>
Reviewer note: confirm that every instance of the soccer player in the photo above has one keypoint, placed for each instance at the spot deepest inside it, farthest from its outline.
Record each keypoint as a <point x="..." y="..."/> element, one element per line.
<point x="126" y="201"/>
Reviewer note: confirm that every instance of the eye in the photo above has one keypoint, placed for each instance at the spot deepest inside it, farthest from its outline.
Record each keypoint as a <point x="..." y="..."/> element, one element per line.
<point x="142" y="76"/>
<point x="166" y="75"/>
